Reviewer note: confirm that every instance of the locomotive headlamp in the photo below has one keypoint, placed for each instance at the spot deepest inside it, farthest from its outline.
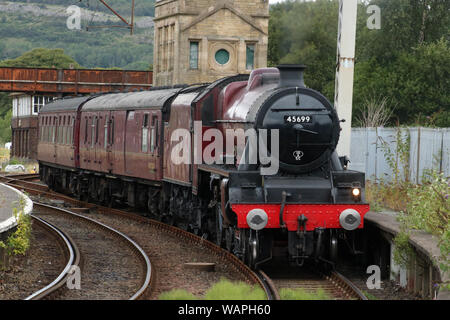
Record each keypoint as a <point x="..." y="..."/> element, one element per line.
<point x="257" y="219"/>
<point x="350" y="219"/>
<point x="356" y="192"/>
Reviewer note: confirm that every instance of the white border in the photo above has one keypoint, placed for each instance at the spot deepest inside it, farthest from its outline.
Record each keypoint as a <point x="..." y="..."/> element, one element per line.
<point x="11" y="222"/>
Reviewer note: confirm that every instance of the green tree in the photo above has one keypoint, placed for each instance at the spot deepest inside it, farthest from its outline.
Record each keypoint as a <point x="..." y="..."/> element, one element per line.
<point x="305" y="33"/>
<point x="42" y="58"/>
<point x="405" y="63"/>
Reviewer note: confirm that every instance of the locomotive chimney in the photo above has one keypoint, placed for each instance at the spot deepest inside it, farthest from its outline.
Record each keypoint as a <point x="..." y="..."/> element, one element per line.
<point x="291" y="75"/>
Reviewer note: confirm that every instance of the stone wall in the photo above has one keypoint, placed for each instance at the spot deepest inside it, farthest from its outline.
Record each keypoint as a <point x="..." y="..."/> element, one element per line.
<point x="215" y="25"/>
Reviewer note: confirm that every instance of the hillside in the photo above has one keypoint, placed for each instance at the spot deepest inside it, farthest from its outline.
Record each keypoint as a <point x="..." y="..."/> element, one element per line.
<point x="42" y="24"/>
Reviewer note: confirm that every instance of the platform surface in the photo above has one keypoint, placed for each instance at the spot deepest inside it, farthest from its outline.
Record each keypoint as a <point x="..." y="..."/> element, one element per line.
<point x="424" y="242"/>
<point x="9" y="199"/>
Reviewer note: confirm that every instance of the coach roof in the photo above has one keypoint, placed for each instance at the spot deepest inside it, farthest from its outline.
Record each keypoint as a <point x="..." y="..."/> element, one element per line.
<point x="66" y="104"/>
<point x="132" y="100"/>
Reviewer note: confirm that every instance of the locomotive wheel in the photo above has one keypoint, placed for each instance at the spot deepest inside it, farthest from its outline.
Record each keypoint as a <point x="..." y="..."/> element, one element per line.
<point x="333" y="247"/>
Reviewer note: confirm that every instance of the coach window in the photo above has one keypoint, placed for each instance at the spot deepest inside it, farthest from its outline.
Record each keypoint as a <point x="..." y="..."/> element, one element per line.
<point x="54" y="130"/>
<point x="97" y="122"/>
<point x="145" y="133"/>
<point x="154" y="138"/>
<point x="58" y="129"/>
<point x="63" y="126"/>
<point x="106" y="131"/>
<point x="67" y="140"/>
<point x="94" y="120"/>
<point x="69" y="118"/>
<point x="71" y="130"/>
<point x="41" y="128"/>
<point x="45" y="128"/>
<point x="112" y="131"/>
<point x="86" y="130"/>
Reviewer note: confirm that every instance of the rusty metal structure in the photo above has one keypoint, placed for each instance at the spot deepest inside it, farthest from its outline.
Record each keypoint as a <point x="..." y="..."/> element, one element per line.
<point x="32" y="88"/>
<point x="71" y="81"/>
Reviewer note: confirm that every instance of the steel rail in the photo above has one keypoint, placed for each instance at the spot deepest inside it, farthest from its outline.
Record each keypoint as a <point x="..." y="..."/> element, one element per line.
<point x="73" y="259"/>
<point x="347" y="285"/>
<point x="337" y="280"/>
<point x="271" y="289"/>
<point x="149" y="275"/>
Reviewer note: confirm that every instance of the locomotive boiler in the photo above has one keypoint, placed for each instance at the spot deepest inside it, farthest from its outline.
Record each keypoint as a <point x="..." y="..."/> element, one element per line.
<point x="121" y="148"/>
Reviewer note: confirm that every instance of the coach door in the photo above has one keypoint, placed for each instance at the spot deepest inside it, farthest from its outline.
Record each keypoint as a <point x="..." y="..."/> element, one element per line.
<point x="54" y="139"/>
<point x="150" y="143"/>
<point x="108" y="138"/>
<point x="155" y="136"/>
<point x="131" y="145"/>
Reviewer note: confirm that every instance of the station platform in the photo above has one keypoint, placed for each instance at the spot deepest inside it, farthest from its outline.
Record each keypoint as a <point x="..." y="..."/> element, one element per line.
<point x="10" y="199"/>
<point x="423" y="242"/>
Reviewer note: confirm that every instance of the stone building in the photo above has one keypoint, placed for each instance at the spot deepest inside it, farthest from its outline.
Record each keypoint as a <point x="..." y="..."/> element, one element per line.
<point x="199" y="41"/>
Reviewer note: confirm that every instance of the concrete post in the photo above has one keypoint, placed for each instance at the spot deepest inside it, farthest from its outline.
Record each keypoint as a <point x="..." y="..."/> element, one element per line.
<point x="344" y="71"/>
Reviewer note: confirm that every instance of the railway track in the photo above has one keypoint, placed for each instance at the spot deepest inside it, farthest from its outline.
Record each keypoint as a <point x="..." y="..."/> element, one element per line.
<point x="42" y="191"/>
<point x="333" y="285"/>
<point x="71" y="256"/>
<point x="99" y="251"/>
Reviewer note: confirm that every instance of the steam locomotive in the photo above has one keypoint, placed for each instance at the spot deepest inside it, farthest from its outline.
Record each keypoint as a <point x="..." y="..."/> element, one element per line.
<point x="161" y="150"/>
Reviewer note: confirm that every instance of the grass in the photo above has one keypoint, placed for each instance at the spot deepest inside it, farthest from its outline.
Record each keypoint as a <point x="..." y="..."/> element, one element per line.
<point x="4" y="155"/>
<point x="222" y="290"/>
<point x="369" y="295"/>
<point x="177" y="294"/>
<point x="387" y="196"/>
<point x="227" y="290"/>
<point x="301" y="294"/>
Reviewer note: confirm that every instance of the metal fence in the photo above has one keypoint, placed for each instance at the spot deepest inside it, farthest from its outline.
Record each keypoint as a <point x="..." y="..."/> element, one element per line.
<point x="427" y="148"/>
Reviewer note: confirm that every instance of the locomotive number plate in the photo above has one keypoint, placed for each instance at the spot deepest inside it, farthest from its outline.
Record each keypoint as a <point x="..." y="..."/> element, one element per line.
<point x="297" y="119"/>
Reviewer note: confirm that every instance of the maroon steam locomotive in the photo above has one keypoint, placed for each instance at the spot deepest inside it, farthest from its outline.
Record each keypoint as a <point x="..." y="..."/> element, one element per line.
<point x="145" y="149"/>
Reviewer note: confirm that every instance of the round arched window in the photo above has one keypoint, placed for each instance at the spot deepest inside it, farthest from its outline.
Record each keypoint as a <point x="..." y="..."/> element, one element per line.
<point x="222" y="56"/>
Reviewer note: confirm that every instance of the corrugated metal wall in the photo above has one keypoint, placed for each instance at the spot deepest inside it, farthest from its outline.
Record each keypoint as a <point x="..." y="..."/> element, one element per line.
<point x="428" y="149"/>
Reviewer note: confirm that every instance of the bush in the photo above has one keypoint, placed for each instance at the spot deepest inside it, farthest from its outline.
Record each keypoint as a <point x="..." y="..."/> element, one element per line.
<point x="428" y="208"/>
<point x="18" y="242"/>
